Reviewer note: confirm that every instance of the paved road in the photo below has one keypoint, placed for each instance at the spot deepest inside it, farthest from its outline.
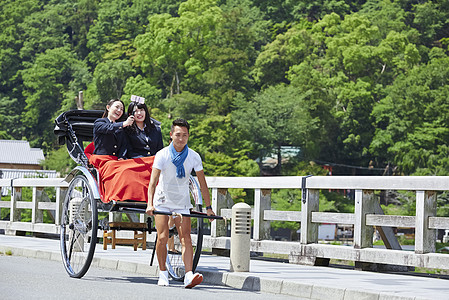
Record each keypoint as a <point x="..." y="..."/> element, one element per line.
<point x="31" y="278"/>
<point x="264" y="277"/>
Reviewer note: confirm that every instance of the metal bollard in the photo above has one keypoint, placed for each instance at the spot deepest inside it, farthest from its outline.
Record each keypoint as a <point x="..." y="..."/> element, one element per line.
<point x="240" y="237"/>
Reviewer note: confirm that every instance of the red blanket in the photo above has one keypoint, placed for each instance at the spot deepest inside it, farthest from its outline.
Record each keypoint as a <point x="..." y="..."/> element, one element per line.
<point x="123" y="179"/>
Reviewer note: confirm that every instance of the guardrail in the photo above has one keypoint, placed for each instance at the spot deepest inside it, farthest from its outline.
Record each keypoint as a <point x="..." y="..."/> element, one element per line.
<point x="367" y="214"/>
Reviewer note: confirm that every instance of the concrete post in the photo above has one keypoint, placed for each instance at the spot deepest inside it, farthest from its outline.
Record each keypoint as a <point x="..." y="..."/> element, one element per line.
<point x="240" y="237"/>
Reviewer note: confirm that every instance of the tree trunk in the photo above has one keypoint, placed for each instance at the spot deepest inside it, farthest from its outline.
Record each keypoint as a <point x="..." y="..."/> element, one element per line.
<point x="279" y="166"/>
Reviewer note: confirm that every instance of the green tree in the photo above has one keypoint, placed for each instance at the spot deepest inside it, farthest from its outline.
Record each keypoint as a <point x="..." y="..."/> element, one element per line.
<point x="11" y="126"/>
<point x="222" y="147"/>
<point x="343" y="79"/>
<point x="12" y="16"/>
<point x="109" y="80"/>
<point x="278" y="11"/>
<point x="389" y="16"/>
<point x="81" y="15"/>
<point x="139" y="86"/>
<point x="186" y="105"/>
<point x="315" y="10"/>
<point x="431" y="19"/>
<point x="47" y="81"/>
<point x="173" y="50"/>
<point x="275" y="117"/>
<point x="117" y="24"/>
<point x="59" y="160"/>
<point x="289" y="48"/>
<point x="232" y="54"/>
<point x="43" y="30"/>
<point x="412" y="120"/>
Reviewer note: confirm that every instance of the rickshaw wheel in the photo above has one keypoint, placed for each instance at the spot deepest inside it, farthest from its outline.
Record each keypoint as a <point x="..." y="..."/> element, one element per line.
<point x="79" y="225"/>
<point x="174" y="263"/>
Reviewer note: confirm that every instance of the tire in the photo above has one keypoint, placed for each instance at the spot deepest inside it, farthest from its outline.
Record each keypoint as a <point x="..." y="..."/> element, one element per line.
<point x="79" y="226"/>
<point x="199" y="240"/>
<point x="175" y="265"/>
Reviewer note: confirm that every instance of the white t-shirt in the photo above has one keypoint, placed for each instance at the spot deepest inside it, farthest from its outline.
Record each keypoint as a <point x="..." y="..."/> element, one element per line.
<point x="171" y="191"/>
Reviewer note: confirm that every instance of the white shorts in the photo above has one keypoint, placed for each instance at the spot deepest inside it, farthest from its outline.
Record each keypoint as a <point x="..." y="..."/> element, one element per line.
<point x="172" y="210"/>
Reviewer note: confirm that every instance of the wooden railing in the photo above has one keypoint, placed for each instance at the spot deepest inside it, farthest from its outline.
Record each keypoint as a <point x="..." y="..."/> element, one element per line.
<point x="307" y="250"/>
<point x="39" y="202"/>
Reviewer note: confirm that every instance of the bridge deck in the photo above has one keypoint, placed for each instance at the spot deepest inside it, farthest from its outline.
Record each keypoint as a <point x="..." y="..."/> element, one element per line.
<point x="281" y="278"/>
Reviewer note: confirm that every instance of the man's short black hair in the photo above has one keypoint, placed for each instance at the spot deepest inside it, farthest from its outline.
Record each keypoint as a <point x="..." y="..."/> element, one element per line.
<point x="180" y="123"/>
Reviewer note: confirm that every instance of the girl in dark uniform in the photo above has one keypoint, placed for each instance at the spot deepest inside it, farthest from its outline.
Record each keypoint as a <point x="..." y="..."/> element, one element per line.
<point x="109" y="137"/>
<point x="144" y="136"/>
<point x="120" y="179"/>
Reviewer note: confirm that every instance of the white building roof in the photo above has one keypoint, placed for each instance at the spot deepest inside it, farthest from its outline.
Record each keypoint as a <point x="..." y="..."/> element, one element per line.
<point x="19" y="152"/>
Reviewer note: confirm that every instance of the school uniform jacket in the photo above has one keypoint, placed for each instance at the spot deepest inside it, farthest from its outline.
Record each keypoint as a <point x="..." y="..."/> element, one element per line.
<point x="145" y="142"/>
<point x="109" y="138"/>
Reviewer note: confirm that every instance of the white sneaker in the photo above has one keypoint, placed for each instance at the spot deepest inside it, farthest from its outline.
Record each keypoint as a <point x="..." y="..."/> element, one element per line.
<point x="191" y="280"/>
<point x="163" y="278"/>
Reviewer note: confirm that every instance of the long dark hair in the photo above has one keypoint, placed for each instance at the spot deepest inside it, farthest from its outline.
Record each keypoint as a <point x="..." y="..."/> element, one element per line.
<point x="148" y="122"/>
<point x="105" y="113"/>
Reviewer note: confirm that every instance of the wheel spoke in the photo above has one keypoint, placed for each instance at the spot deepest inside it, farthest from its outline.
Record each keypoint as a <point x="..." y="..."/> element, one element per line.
<point x="175" y="265"/>
<point x="78" y="219"/>
<point x="72" y="242"/>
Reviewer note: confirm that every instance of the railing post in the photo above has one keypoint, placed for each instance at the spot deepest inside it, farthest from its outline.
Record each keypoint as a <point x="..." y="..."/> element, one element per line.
<point x="364" y="204"/>
<point x="14" y="211"/>
<point x="37" y="216"/>
<point x="309" y="230"/>
<point x="262" y="202"/>
<point x="426" y="206"/>
<point x="115" y="216"/>
<point x="60" y="196"/>
<point x="220" y="199"/>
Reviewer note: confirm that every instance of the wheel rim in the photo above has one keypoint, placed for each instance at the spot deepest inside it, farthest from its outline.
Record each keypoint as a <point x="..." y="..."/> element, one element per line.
<point x="78" y="227"/>
<point x="174" y="263"/>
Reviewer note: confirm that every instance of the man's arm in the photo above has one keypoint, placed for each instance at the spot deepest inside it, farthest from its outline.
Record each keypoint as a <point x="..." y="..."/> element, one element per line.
<point x="205" y="191"/>
<point x="151" y="188"/>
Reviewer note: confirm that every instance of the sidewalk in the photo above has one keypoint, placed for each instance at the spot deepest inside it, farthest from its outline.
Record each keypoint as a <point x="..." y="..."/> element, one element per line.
<point x="268" y="277"/>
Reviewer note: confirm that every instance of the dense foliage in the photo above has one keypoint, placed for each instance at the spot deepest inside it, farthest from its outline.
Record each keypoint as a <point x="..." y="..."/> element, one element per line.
<point x="361" y="86"/>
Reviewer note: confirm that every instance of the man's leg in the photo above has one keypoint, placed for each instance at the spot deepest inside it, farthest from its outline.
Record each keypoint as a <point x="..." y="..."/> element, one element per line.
<point x="184" y="227"/>
<point x="161" y="223"/>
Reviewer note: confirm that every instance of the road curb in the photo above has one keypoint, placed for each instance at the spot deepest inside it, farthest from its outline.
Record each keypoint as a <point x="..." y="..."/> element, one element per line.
<point x="235" y="280"/>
